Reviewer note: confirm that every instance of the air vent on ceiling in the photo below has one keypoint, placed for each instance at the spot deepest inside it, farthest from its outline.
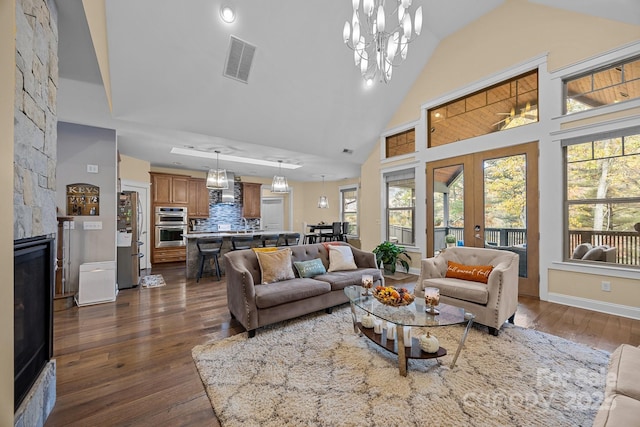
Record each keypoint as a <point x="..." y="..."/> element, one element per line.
<point x="239" y="60"/>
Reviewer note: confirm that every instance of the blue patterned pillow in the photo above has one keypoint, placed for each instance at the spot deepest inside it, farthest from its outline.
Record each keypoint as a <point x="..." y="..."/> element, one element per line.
<point x="310" y="268"/>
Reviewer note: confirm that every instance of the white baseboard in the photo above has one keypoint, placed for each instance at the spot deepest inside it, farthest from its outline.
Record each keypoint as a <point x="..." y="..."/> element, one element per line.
<point x="600" y="306"/>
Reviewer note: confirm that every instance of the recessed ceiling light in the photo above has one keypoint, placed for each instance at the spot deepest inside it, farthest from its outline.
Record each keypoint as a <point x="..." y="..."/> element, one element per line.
<point x="227" y="14"/>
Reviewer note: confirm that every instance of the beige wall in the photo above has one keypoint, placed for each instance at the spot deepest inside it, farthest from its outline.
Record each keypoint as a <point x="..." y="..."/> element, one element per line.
<point x="624" y="291"/>
<point x="7" y="91"/>
<point x="134" y="169"/>
<point x="510" y="34"/>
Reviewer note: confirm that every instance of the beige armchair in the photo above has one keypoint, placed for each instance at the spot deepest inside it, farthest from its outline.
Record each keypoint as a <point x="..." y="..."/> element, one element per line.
<point x="492" y="303"/>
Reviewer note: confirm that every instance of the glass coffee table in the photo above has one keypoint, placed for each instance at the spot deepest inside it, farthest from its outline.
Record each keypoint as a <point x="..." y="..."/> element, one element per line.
<point x="412" y="315"/>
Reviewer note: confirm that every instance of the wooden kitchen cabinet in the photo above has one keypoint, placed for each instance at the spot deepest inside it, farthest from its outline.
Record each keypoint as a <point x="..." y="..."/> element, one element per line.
<point x="170" y="190"/>
<point x="170" y="254"/>
<point x="251" y="199"/>
<point x="198" y="206"/>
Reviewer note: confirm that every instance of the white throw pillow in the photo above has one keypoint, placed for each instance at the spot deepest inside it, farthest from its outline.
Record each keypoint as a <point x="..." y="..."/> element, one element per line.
<point x="341" y="258"/>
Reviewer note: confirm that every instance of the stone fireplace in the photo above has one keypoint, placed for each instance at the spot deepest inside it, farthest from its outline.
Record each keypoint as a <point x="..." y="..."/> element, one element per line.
<point x="35" y="135"/>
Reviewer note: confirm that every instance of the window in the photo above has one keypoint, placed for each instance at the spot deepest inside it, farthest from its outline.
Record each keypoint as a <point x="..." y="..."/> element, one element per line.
<point x="401" y="202"/>
<point x="604" y="86"/>
<point x="603" y="197"/>
<point x="503" y="106"/>
<point x="400" y="143"/>
<point x="349" y="209"/>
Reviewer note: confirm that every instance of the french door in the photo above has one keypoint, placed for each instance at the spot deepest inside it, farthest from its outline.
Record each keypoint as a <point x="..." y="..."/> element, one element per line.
<point x="488" y="200"/>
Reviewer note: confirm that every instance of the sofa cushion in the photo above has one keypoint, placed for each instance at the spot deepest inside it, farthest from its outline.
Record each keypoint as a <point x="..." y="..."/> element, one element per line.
<point x="310" y="268"/>
<point x="289" y="291"/>
<point x="581" y="250"/>
<point x="624" y="372"/>
<point x="594" y="254"/>
<point x="617" y="410"/>
<point x="275" y="266"/>
<point x="341" y="279"/>
<point x="341" y="258"/>
<point x="460" y="289"/>
<point x="475" y="273"/>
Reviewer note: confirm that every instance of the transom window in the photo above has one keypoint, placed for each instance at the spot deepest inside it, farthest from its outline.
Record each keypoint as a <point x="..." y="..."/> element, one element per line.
<point x="604" y="86"/>
<point x="603" y="198"/>
<point x="503" y="106"/>
<point x="401" y="143"/>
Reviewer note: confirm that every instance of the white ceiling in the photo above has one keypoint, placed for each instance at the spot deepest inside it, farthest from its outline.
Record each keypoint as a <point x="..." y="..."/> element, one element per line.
<point x="304" y="102"/>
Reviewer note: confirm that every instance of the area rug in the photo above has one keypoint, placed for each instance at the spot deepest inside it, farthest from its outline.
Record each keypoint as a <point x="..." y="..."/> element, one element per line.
<point x="315" y="371"/>
<point x="152" y="281"/>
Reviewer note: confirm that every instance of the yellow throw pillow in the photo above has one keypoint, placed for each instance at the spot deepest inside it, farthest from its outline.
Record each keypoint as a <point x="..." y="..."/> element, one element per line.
<point x="275" y="266"/>
<point x="475" y="273"/>
<point x="270" y="249"/>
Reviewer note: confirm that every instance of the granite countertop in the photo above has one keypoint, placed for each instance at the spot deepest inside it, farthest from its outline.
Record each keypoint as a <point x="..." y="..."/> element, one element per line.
<point x="199" y="234"/>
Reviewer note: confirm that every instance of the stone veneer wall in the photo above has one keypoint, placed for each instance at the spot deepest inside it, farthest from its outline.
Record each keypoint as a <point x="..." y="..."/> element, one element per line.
<point x="35" y="146"/>
<point x="35" y="119"/>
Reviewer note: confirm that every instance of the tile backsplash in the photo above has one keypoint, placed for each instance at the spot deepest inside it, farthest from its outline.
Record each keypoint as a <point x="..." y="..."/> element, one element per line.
<point x="224" y="213"/>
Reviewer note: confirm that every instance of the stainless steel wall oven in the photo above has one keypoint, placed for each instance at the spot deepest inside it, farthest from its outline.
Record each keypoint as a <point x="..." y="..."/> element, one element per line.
<point x="170" y="225"/>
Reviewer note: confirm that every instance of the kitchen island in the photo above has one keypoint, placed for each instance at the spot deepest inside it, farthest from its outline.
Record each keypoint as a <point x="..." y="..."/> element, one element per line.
<point x="192" y="249"/>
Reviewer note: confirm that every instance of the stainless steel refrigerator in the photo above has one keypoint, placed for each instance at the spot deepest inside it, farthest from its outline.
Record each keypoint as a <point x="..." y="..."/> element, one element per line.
<point x="129" y="228"/>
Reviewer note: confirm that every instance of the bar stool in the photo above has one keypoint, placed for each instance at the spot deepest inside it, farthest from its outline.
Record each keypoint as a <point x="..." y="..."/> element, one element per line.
<point x="240" y="242"/>
<point x="209" y="247"/>
<point x="289" y="239"/>
<point x="269" y="240"/>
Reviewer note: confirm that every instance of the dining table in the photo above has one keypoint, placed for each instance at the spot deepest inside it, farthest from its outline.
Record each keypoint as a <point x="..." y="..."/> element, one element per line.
<point x="313" y="228"/>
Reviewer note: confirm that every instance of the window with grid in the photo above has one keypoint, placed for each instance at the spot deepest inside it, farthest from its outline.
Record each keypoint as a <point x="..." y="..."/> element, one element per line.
<point x="603" y="86"/>
<point x="349" y="209"/>
<point x="400" y="143"/>
<point x="603" y="197"/>
<point x="401" y="198"/>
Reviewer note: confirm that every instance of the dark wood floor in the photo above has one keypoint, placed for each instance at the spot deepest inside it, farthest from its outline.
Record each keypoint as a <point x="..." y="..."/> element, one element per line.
<point x="129" y="363"/>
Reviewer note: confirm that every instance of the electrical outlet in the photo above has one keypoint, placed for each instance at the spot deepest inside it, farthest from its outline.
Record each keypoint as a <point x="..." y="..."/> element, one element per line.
<point x="606" y="286"/>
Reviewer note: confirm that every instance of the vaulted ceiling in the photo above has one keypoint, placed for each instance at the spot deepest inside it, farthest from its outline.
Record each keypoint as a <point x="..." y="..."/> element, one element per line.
<point x="304" y="103"/>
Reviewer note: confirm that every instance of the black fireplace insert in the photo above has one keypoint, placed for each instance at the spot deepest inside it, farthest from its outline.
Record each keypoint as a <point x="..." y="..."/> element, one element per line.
<point x="34" y="277"/>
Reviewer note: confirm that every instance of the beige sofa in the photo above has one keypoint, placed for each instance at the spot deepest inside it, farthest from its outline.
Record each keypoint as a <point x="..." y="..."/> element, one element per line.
<point x="254" y="304"/>
<point x="492" y="303"/>
<point x="621" y="405"/>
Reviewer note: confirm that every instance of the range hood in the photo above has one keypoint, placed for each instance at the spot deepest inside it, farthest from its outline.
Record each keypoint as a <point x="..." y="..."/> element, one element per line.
<point x="227" y="195"/>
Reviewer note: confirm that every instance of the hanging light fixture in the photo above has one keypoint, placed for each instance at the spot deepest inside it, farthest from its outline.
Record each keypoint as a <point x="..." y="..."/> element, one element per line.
<point x="378" y="45"/>
<point x="217" y="178"/>
<point x="323" y="202"/>
<point x="279" y="183"/>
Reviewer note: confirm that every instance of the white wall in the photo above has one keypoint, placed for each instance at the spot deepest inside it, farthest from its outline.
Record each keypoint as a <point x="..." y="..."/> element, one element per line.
<point x="79" y="146"/>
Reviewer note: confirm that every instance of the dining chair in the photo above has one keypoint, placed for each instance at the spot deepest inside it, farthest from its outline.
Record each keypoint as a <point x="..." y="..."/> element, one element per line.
<point x="345" y="231"/>
<point x="336" y="232"/>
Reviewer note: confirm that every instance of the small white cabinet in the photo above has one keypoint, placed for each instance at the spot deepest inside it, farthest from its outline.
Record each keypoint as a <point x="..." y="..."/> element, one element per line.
<point x="97" y="283"/>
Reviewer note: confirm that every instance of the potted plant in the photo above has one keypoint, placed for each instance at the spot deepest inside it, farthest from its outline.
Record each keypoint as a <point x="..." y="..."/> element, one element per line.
<point x="450" y="240"/>
<point x="390" y="254"/>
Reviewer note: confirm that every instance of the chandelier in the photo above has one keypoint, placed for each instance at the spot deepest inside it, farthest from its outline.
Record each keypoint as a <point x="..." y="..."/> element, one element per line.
<point x="378" y="43"/>
<point x="279" y="183"/>
<point x="217" y="178"/>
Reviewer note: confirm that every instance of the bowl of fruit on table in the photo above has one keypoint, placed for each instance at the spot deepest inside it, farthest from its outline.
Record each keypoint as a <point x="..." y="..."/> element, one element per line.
<point x="388" y="295"/>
